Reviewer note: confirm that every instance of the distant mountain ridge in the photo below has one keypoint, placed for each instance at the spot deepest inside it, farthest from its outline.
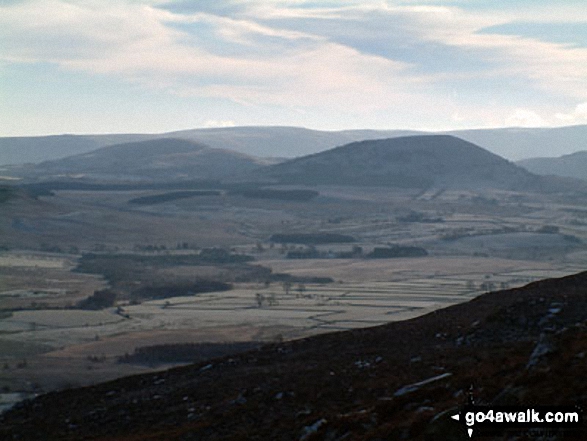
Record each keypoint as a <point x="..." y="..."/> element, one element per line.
<point x="571" y="166"/>
<point x="516" y="143"/>
<point x="290" y="142"/>
<point x="285" y="142"/>
<point x="412" y="162"/>
<point x="425" y="161"/>
<point x="36" y="149"/>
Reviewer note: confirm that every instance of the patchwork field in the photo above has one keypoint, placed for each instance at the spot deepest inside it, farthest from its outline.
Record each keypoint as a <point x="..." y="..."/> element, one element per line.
<point x="39" y="346"/>
<point x="41" y="280"/>
<point x="474" y="244"/>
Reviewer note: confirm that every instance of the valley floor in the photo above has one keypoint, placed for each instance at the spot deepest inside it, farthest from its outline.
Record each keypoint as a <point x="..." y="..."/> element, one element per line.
<point x="476" y="243"/>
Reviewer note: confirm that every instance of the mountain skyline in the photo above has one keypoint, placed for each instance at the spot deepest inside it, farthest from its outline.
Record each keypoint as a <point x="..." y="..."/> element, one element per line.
<point x="289" y="142"/>
<point x="414" y="161"/>
<point x="139" y="66"/>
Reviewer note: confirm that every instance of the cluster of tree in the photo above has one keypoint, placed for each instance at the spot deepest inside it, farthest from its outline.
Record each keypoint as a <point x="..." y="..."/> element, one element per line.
<point x="184" y="246"/>
<point x="149" y="247"/>
<point x="262" y="299"/>
<point x="553" y="229"/>
<point x="311" y="238"/>
<point x="46" y="188"/>
<point x="123" y="271"/>
<point x="220" y="255"/>
<point x="416" y="216"/>
<point x="284" y="195"/>
<point x="6" y="193"/>
<point x="356" y="252"/>
<point x="179" y="289"/>
<point x="185" y="352"/>
<point x="572" y="239"/>
<point x="172" y="196"/>
<point x="548" y="229"/>
<point x="290" y="280"/>
<point x="482" y="200"/>
<point x="312" y="253"/>
<point x="460" y="233"/>
<point x="109" y="263"/>
<point x="396" y="251"/>
<point x="50" y="248"/>
<point x="163" y="247"/>
<point x="99" y="300"/>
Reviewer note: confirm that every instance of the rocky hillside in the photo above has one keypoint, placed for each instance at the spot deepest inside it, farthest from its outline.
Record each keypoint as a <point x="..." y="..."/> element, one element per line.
<point x="403" y="380"/>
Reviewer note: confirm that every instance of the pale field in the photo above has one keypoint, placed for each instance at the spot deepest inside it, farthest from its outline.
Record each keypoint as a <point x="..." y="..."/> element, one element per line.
<point x="34" y="261"/>
<point x="35" y="279"/>
<point x="371" y="293"/>
<point x="461" y="268"/>
<point x="57" y="319"/>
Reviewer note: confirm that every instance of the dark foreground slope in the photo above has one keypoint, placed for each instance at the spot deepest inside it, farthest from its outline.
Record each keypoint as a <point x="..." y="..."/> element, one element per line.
<point x="523" y="346"/>
<point x="410" y="162"/>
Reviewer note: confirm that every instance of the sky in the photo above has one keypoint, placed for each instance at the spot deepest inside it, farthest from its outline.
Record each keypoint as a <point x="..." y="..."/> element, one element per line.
<point x="152" y="66"/>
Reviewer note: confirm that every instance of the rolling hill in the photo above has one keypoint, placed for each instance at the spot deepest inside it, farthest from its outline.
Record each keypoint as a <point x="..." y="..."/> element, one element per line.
<point x="159" y="159"/>
<point x="570" y="166"/>
<point x="286" y="142"/>
<point x="35" y="149"/>
<point x="412" y="162"/>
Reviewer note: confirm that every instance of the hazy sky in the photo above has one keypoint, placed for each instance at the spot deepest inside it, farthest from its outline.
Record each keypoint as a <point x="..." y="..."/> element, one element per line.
<point x="96" y="66"/>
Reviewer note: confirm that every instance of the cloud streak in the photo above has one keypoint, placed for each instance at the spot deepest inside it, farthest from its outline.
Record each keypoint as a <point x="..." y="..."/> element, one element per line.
<point x="369" y="58"/>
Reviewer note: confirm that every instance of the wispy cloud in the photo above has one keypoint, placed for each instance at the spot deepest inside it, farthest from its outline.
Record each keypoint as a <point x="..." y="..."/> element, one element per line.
<point x="212" y="123"/>
<point x="366" y="59"/>
<point x="577" y="116"/>
<point x="525" y="118"/>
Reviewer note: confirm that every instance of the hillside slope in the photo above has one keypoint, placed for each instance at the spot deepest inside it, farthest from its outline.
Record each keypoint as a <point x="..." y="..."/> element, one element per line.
<point x="413" y="162"/>
<point x="570" y="166"/>
<point x="35" y="149"/>
<point x="403" y="380"/>
<point x="154" y="159"/>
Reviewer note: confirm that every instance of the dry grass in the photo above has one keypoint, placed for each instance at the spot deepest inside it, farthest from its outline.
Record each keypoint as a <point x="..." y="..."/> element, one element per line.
<point x="397" y="269"/>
